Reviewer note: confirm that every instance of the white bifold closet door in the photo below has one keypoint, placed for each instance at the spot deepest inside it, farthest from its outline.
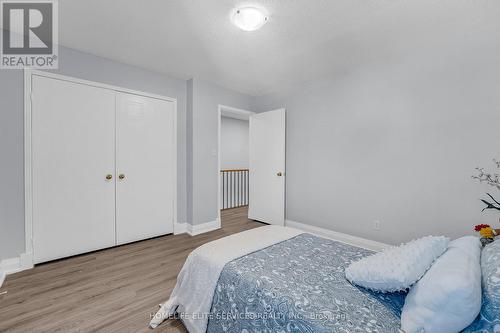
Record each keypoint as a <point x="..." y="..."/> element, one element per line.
<point x="73" y="140"/>
<point x="144" y="167"/>
<point x="103" y="165"/>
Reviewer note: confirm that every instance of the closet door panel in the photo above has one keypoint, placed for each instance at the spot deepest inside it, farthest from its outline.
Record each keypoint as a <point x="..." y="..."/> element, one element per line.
<point x="144" y="159"/>
<point x="73" y="136"/>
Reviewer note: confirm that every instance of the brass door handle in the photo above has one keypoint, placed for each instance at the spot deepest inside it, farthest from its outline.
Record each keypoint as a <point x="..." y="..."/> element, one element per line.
<point x="121" y="176"/>
<point x="279" y="174"/>
<point x="109" y="176"/>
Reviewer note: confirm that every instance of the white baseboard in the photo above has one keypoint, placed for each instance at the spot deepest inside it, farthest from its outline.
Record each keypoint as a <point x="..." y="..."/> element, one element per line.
<point x="180" y="228"/>
<point x="14" y="265"/>
<point x="197" y="229"/>
<point x="338" y="236"/>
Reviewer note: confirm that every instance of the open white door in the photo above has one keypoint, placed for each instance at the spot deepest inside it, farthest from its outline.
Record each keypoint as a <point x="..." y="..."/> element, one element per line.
<point x="267" y="167"/>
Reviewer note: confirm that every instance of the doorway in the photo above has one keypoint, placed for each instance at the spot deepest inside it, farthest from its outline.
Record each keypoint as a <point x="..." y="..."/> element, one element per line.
<point x="233" y="162"/>
<point x="251" y="159"/>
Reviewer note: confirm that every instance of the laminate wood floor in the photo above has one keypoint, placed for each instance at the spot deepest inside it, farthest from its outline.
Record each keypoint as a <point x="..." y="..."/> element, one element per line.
<point x="113" y="290"/>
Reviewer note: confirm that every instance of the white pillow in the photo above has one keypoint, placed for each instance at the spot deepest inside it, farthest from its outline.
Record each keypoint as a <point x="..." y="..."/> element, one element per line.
<point x="397" y="268"/>
<point x="448" y="297"/>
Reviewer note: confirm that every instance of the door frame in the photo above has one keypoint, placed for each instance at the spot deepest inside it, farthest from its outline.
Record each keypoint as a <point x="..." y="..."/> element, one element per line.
<point x="26" y="259"/>
<point x="230" y="112"/>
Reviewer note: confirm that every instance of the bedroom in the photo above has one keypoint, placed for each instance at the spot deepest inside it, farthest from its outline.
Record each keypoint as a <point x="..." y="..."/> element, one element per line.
<point x="384" y="111"/>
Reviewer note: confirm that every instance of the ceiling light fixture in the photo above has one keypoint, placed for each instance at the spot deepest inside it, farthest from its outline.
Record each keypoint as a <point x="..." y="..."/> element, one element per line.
<point x="249" y="18"/>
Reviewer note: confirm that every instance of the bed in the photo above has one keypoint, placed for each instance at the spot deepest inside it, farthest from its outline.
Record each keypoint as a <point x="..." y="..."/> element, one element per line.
<point x="277" y="279"/>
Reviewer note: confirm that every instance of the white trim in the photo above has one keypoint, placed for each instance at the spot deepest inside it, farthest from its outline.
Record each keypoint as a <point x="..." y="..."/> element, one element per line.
<point x="197" y="229"/>
<point x="11" y="265"/>
<point x="174" y="169"/>
<point x="180" y="228"/>
<point x="338" y="236"/>
<point x="14" y="265"/>
<point x="26" y="259"/>
<point x="219" y="127"/>
<point x="234" y="111"/>
<point x="31" y="72"/>
<point x="28" y="190"/>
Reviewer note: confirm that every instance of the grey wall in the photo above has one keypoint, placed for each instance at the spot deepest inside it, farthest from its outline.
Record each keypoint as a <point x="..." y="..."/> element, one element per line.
<point x="84" y="66"/>
<point x="395" y="139"/>
<point x="11" y="162"/>
<point x="204" y="146"/>
<point x="234" y="143"/>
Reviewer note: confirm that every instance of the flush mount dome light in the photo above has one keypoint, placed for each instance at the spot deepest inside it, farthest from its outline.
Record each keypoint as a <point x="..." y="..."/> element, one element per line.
<point x="249" y="18"/>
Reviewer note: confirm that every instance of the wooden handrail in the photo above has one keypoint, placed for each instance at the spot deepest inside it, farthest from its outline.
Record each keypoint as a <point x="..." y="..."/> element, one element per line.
<point x="233" y="170"/>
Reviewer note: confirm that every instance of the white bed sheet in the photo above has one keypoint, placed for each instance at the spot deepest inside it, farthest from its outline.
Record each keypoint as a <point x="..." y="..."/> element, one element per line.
<point x="196" y="283"/>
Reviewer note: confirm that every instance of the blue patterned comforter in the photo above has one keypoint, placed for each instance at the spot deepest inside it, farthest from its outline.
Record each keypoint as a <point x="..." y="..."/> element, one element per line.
<point x="299" y="286"/>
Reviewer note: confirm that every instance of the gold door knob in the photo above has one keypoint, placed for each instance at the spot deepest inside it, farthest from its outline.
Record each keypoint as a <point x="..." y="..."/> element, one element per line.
<point x="121" y="176"/>
<point x="279" y="174"/>
<point x="109" y="177"/>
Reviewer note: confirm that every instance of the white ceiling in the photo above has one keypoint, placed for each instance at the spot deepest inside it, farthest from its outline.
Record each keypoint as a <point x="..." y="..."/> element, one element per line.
<point x="303" y="39"/>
